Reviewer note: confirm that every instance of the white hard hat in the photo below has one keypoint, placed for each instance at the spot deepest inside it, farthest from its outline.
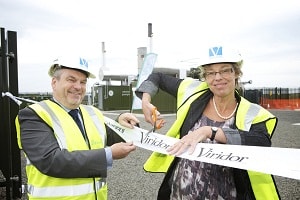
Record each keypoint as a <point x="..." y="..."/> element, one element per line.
<point x="76" y="63"/>
<point x="220" y="54"/>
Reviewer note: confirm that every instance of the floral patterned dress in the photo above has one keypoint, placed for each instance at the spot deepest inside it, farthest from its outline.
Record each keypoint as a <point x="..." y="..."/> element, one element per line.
<point x="195" y="180"/>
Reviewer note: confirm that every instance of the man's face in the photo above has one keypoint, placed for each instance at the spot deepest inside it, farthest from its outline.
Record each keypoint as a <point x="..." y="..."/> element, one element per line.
<point x="69" y="89"/>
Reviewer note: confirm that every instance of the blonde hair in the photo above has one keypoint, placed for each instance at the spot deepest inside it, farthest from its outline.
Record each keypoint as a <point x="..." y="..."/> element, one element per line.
<point x="237" y="67"/>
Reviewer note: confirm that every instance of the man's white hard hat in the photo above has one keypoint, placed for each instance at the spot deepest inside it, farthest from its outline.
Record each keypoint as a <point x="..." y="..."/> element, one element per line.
<point x="220" y="54"/>
<point x="76" y="63"/>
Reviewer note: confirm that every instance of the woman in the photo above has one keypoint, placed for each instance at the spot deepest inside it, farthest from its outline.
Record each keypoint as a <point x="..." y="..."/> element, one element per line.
<point x="210" y="111"/>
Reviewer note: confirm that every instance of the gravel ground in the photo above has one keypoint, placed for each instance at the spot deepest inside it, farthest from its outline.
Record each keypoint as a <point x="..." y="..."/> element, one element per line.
<point x="128" y="180"/>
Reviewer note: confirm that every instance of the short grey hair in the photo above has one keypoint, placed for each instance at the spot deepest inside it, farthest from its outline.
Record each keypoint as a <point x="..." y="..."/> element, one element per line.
<point x="57" y="71"/>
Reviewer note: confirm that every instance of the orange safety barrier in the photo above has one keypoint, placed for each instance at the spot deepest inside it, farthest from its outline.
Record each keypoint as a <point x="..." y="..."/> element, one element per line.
<point x="285" y="104"/>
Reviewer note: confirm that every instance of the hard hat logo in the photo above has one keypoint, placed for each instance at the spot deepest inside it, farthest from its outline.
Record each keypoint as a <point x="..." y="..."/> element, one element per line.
<point x="83" y="62"/>
<point x="219" y="54"/>
<point x="215" y="51"/>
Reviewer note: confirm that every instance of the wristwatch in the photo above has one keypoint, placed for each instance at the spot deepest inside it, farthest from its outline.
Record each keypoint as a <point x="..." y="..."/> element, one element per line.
<point x="213" y="132"/>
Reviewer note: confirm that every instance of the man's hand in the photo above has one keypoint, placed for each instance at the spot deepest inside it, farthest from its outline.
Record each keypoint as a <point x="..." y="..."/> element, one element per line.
<point x="128" y="120"/>
<point x="122" y="149"/>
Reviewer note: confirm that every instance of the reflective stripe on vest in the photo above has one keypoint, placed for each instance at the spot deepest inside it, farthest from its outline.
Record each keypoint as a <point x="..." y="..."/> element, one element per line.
<point x="58" y="128"/>
<point x="61" y="139"/>
<point x="61" y="191"/>
<point x="249" y="111"/>
<point x="93" y="115"/>
<point x="187" y="88"/>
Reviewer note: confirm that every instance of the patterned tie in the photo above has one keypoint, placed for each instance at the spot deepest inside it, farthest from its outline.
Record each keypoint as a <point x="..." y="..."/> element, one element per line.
<point x="74" y="114"/>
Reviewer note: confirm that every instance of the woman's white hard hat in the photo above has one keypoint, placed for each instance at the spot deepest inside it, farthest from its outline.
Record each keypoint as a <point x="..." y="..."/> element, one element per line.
<point x="220" y="54"/>
<point x="76" y="63"/>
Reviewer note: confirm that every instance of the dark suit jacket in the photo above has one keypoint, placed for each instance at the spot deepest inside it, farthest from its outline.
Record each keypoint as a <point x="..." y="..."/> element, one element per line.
<point x="41" y="147"/>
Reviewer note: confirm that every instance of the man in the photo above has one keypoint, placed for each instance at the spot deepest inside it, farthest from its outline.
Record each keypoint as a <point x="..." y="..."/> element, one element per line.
<point x="66" y="160"/>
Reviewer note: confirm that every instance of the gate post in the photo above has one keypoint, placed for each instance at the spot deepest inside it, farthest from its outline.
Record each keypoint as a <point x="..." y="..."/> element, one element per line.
<point x="10" y="164"/>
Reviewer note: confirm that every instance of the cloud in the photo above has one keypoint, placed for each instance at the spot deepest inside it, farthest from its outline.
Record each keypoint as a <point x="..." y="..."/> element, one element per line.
<point x="267" y="35"/>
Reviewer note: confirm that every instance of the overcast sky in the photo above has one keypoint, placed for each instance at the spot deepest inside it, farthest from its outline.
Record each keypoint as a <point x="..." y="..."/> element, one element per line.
<point x="266" y="32"/>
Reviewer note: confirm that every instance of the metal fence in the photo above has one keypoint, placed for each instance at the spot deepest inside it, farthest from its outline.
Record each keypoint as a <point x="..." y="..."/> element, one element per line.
<point x="275" y="98"/>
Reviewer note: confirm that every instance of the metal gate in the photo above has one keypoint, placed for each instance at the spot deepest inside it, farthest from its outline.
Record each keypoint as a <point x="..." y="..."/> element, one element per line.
<point x="10" y="160"/>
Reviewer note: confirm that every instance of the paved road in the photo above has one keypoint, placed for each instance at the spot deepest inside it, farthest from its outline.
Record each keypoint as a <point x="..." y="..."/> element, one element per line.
<point x="128" y="180"/>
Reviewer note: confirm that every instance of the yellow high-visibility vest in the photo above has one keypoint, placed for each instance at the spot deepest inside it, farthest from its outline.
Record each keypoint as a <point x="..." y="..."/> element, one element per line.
<point x="247" y="114"/>
<point x="41" y="186"/>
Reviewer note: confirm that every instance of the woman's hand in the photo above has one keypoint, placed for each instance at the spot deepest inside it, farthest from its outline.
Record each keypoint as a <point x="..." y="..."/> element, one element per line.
<point x="148" y="111"/>
<point x="147" y="107"/>
<point x="189" y="141"/>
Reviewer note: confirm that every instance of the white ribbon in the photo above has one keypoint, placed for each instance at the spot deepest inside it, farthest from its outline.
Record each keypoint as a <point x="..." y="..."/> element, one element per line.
<point x="12" y="97"/>
<point x="16" y="99"/>
<point x="270" y="160"/>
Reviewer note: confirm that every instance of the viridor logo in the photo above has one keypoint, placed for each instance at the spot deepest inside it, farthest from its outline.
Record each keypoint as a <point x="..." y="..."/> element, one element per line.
<point x="215" y="52"/>
<point x="83" y="62"/>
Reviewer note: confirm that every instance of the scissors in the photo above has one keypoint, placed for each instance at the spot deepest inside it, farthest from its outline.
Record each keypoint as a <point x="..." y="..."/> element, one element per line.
<point x="157" y="124"/>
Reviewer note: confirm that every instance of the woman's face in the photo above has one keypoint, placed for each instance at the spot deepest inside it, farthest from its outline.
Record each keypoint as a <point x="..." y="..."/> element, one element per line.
<point x="221" y="78"/>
